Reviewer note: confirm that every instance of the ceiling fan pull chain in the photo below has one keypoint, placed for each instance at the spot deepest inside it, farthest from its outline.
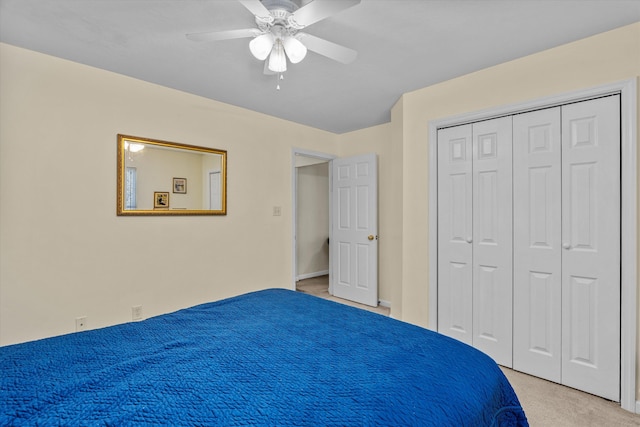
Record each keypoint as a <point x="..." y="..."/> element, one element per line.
<point x="281" y="77"/>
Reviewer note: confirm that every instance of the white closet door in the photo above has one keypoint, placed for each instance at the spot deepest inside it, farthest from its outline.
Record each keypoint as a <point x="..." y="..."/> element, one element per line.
<point x="492" y="239"/>
<point x="591" y="246"/>
<point x="455" y="285"/>
<point x="537" y="302"/>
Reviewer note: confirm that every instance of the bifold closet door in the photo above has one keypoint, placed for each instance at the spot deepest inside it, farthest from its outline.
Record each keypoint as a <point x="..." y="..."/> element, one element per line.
<point x="492" y="239"/>
<point x="537" y="268"/>
<point x="591" y="246"/>
<point x="455" y="228"/>
<point x="566" y="175"/>
<point x="474" y="236"/>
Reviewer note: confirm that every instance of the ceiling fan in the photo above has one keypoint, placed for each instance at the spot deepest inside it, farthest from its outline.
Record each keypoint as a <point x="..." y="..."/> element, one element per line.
<point x="278" y="36"/>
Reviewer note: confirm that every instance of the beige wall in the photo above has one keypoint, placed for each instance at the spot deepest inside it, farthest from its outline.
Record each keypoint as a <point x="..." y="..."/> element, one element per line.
<point x="63" y="251"/>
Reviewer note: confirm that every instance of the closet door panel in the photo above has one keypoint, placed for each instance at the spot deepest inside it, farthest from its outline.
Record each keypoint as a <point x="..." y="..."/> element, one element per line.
<point x="492" y="240"/>
<point x="591" y="246"/>
<point x="537" y="244"/>
<point x="455" y="284"/>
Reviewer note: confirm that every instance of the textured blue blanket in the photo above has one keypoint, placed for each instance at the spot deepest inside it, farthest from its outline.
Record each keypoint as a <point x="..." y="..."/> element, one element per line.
<point x="273" y="357"/>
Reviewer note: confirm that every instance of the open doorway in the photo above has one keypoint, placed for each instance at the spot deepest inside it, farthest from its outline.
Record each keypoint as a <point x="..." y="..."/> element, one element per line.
<point x="311" y="217"/>
<point x="312" y="231"/>
<point x="351" y="251"/>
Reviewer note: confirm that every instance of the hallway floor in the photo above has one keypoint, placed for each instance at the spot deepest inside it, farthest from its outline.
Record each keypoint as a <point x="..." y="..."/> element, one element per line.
<point x="319" y="286"/>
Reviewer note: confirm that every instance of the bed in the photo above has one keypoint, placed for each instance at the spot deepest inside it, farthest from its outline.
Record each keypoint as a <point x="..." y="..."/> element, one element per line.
<point x="274" y="357"/>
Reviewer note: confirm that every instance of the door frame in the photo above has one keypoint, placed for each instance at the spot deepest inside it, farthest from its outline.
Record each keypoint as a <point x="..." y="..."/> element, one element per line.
<point x="294" y="211"/>
<point x="629" y="215"/>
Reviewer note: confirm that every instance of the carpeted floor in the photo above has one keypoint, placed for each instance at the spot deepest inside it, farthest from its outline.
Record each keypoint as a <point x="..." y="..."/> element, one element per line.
<point x="551" y="404"/>
<point x="546" y="404"/>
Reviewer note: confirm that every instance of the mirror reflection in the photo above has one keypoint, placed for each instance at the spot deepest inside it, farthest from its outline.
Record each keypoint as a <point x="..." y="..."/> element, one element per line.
<point x="168" y="178"/>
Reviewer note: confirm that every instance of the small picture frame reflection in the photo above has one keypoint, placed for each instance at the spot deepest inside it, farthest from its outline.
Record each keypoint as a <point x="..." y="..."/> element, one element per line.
<point x="180" y="185"/>
<point x="161" y="200"/>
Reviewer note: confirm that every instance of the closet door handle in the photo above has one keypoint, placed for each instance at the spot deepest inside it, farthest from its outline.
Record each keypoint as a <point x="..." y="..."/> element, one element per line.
<point x="566" y="245"/>
<point x="469" y="240"/>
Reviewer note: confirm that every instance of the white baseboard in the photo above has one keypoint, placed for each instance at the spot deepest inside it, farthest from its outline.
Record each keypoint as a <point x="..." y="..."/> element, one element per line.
<point x="637" y="406"/>
<point x="310" y="275"/>
<point x="384" y="303"/>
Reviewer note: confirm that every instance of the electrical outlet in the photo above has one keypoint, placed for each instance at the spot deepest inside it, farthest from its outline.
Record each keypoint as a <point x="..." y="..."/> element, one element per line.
<point x="81" y="323"/>
<point x="136" y="312"/>
<point x="277" y="211"/>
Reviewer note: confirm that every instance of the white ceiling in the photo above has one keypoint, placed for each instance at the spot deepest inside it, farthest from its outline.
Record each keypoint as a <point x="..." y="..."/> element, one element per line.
<point x="402" y="45"/>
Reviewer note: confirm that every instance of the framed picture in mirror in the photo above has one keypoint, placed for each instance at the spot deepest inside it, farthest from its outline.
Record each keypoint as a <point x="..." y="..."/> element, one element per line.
<point x="161" y="200"/>
<point x="180" y="185"/>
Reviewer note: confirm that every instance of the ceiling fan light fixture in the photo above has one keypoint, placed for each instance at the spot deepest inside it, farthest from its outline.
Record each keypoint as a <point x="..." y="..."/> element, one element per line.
<point x="278" y="59"/>
<point x="133" y="148"/>
<point x="261" y="46"/>
<point x="295" y="49"/>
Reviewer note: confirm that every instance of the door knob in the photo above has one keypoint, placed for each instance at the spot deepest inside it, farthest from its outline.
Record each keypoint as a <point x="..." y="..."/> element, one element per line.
<point x="566" y="245"/>
<point x="371" y="237"/>
<point x="469" y="239"/>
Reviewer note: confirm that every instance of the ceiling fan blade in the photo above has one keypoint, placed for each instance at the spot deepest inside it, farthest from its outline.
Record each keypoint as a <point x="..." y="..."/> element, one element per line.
<point x="257" y="8"/>
<point x="326" y="48"/>
<point x="213" y="36"/>
<point x="318" y="10"/>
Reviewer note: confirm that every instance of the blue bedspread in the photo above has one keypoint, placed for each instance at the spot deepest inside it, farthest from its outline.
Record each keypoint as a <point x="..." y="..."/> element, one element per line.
<point x="273" y="357"/>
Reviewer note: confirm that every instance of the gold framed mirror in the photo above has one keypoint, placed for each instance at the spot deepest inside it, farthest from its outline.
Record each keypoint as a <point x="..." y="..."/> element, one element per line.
<point x="167" y="178"/>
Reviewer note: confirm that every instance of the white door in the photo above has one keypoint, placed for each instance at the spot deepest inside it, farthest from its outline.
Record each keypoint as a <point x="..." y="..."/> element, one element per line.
<point x="591" y="246"/>
<point x="537" y="262"/>
<point x="474" y="236"/>
<point x="215" y="197"/>
<point x="354" y="236"/>
<point x="492" y="239"/>
<point x="455" y="233"/>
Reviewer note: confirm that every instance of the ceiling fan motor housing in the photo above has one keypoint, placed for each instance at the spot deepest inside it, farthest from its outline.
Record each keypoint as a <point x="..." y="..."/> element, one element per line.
<point x="289" y="6"/>
<point x="279" y="22"/>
